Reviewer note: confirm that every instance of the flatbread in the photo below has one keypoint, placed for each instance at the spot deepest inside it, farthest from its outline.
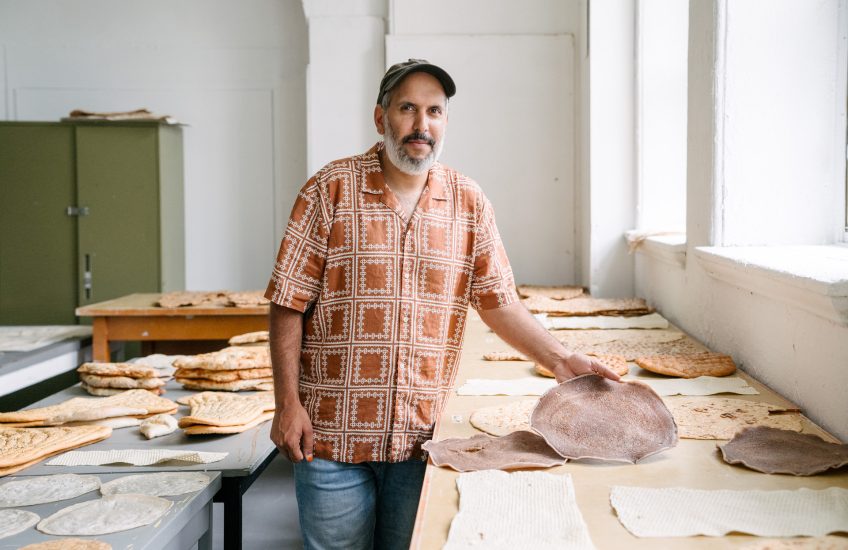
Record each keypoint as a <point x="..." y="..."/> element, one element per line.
<point x="263" y="384"/>
<point x="121" y="382"/>
<point x="250" y="338"/>
<point x="13" y="522"/>
<point x="504" y="419"/>
<point x="552" y="292"/>
<point x="593" y="417"/>
<point x="22" y="447"/>
<point x="222" y="412"/>
<point x="109" y="392"/>
<point x="115" y="422"/>
<point x="231" y="358"/>
<point x="69" y="544"/>
<point x="514" y="451"/>
<point x="159" y="484"/>
<point x="721" y="417"/>
<point x="264" y="398"/>
<point x="185" y="298"/>
<point x="33" y="490"/>
<point x="650" y="321"/>
<point x="110" y="514"/>
<point x="775" y="451"/>
<point x="504" y="356"/>
<point x="135" y="399"/>
<point x="158" y="425"/>
<point x="96" y="413"/>
<point x="128" y="370"/>
<point x="630" y="343"/>
<point x="252" y="298"/>
<point x="587" y="306"/>
<point x="616" y="363"/>
<point x="689" y="366"/>
<point x="201" y="429"/>
<point x="224" y="375"/>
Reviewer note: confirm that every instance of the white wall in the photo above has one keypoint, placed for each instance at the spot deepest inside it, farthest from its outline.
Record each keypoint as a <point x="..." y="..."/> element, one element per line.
<point x="766" y="102"/>
<point x="233" y="71"/>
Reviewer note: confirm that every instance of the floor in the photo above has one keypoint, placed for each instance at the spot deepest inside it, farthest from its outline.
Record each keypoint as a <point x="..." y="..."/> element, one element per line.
<point x="270" y="512"/>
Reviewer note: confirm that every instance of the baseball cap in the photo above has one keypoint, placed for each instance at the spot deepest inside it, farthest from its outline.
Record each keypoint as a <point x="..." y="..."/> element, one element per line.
<point x="399" y="71"/>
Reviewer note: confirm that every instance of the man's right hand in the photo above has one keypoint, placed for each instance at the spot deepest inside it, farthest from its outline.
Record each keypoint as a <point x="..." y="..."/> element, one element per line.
<point x="291" y="432"/>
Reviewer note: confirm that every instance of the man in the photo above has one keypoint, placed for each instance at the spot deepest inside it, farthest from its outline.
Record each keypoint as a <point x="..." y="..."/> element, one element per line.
<point x="382" y="256"/>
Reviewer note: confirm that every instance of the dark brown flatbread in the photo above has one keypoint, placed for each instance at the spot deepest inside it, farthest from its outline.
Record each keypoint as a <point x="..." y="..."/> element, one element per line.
<point x="515" y="451"/>
<point x="593" y="417"/>
<point x="776" y="451"/>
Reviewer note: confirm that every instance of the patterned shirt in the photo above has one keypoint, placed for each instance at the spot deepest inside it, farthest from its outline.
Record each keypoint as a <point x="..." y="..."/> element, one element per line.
<point x="384" y="301"/>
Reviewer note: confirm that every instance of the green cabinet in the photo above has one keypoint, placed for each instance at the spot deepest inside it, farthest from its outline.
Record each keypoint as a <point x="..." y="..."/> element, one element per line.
<point x="89" y="211"/>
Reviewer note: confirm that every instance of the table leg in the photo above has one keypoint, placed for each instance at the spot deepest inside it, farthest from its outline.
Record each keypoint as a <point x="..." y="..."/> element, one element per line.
<point x="232" y="496"/>
<point x="205" y="541"/>
<point x="100" y="339"/>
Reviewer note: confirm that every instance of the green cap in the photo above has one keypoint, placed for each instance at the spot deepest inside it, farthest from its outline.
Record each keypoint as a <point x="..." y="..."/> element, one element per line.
<point x="399" y="71"/>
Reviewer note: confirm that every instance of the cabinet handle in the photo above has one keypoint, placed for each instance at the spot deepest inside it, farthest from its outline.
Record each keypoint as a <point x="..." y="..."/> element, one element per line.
<point x="86" y="278"/>
<point x="77" y="211"/>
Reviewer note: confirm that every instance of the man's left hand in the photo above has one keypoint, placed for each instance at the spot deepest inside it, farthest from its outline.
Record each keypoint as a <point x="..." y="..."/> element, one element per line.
<point x="578" y="364"/>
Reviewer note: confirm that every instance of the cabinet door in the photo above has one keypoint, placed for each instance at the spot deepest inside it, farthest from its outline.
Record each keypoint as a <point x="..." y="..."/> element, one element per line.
<point x="117" y="179"/>
<point x="38" y="274"/>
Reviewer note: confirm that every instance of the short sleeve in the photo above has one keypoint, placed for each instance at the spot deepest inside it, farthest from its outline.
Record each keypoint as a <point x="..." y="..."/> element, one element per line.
<point x="296" y="279"/>
<point x="492" y="285"/>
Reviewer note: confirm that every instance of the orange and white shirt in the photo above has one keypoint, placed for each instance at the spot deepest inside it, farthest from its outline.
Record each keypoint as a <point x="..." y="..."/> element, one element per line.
<point x="385" y="302"/>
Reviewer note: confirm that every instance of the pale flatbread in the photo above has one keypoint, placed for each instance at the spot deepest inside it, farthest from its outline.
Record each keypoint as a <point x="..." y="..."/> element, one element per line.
<point x="587" y="306"/>
<point x="96" y="413"/>
<point x="136" y="399"/>
<point x="593" y="417"/>
<point x="42" y="489"/>
<point x="185" y="298"/>
<point x="504" y="419"/>
<point x="128" y="370"/>
<point x="616" y="363"/>
<point x="13" y="522"/>
<point x="222" y="412"/>
<point x="121" y="382"/>
<point x="115" y="422"/>
<point x="224" y="375"/>
<point x="22" y="447"/>
<point x="552" y="292"/>
<point x="249" y="338"/>
<point x="264" y="398"/>
<point x="251" y="298"/>
<point x="515" y="451"/>
<point x="158" y="425"/>
<point x="200" y="429"/>
<point x="722" y="417"/>
<point x="109" y="392"/>
<point x="689" y="366"/>
<point x="775" y="451"/>
<point x="69" y="544"/>
<point x="109" y="514"/>
<point x="504" y="356"/>
<point x="231" y="358"/>
<point x="629" y="343"/>
<point x="263" y="384"/>
<point x="159" y="484"/>
<point x="607" y="322"/>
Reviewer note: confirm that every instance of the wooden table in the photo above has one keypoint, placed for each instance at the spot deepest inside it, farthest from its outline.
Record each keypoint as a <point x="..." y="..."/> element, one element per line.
<point x="692" y="463"/>
<point x="136" y="317"/>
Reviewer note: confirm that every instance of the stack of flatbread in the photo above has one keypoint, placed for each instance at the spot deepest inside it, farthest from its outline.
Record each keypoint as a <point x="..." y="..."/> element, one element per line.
<point x="585" y="305"/>
<point x="231" y="369"/>
<point x="250" y="298"/>
<point x="114" y="411"/>
<point x="23" y="447"/>
<point x="258" y="338"/>
<point x="103" y="379"/>
<point x="552" y="292"/>
<point x="220" y="298"/>
<point x="226" y="413"/>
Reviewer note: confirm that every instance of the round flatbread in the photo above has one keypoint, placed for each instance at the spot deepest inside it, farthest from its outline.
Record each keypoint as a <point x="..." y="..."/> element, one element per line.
<point x="42" y="489"/>
<point x="594" y="417"/>
<point x="689" y="366"/>
<point x="159" y="484"/>
<point x="776" y="451"/>
<point x="110" y="514"/>
<point x="13" y="522"/>
<point x="616" y="363"/>
<point x="504" y="419"/>
<point x="514" y="451"/>
<point x="69" y="544"/>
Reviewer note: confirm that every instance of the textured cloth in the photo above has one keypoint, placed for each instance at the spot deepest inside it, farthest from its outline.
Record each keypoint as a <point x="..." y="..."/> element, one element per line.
<point x="136" y="457"/>
<point x="653" y="320"/>
<point x="678" y="512"/>
<point x="385" y="301"/>
<point x="501" y="511"/>
<point x="702" y="385"/>
<point x="531" y="385"/>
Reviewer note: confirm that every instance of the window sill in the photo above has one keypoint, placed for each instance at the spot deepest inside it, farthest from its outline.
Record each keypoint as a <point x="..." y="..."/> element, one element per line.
<point x="669" y="249"/>
<point x="813" y="278"/>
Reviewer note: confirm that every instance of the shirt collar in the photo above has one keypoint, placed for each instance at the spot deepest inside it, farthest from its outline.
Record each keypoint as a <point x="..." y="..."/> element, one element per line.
<point x="373" y="181"/>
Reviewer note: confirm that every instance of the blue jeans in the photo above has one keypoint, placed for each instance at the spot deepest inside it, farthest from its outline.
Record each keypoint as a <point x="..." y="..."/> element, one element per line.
<point x="357" y="506"/>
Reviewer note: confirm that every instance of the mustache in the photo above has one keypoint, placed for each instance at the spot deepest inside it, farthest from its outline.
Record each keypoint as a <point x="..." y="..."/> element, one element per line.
<point x="418" y="136"/>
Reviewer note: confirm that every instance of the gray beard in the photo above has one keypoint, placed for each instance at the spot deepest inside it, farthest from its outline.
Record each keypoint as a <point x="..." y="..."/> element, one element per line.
<point x="403" y="162"/>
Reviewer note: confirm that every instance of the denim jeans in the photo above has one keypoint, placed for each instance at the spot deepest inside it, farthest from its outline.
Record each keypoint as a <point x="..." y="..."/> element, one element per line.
<point x="357" y="506"/>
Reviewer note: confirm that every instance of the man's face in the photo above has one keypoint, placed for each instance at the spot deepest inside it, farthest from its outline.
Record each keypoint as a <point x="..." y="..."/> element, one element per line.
<point x="414" y="123"/>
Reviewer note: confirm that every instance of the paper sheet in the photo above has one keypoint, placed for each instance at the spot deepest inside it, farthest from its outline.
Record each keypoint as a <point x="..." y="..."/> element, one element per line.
<point x="28" y="338"/>
<point x="702" y="385"/>
<point x="516" y="386"/>
<point x="136" y="457"/>
<point x="679" y="512"/>
<point x="522" y="510"/>
<point x="653" y="320"/>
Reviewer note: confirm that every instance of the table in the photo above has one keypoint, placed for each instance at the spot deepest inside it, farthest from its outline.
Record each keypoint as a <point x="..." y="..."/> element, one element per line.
<point x="692" y="463"/>
<point x="188" y="521"/>
<point x="250" y="452"/>
<point x="136" y="317"/>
